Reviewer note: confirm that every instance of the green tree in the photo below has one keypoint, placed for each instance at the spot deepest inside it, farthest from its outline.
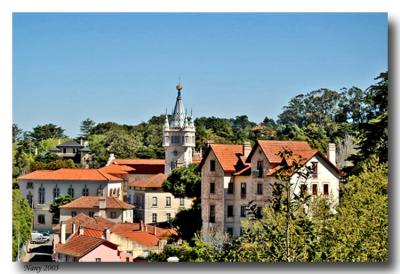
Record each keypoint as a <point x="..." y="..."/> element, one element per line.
<point x="16" y="133"/>
<point x="21" y="222"/>
<point x="362" y="221"/>
<point x="47" y="131"/>
<point x="87" y="126"/>
<point x="55" y="206"/>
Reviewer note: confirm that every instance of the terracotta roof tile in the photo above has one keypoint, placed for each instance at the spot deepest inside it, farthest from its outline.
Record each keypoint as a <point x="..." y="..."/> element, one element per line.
<point x="93" y="202"/>
<point x="117" y="169"/>
<point x="152" y="182"/>
<point x="143" y="238"/>
<point x="79" y="245"/>
<point x="70" y="174"/>
<point x="143" y="166"/>
<point x="272" y="148"/>
<point x="226" y="155"/>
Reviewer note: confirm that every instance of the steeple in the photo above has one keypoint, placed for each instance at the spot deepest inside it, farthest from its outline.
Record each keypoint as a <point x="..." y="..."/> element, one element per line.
<point x="179" y="114"/>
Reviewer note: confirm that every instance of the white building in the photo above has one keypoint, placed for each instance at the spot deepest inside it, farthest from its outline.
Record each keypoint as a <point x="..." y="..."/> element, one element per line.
<point x="234" y="175"/>
<point x="41" y="187"/>
<point x="178" y="136"/>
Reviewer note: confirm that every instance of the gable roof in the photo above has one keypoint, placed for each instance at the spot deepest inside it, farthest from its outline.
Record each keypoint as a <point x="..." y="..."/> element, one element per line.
<point x="225" y="154"/>
<point x="152" y="182"/>
<point x="271" y="149"/>
<point x="69" y="174"/>
<point x="93" y="202"/>
<point x="80" y="245"/>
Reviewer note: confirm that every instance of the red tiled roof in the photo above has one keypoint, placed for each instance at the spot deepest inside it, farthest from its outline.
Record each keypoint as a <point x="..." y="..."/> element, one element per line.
<point x="152" y="182"/>
<point x="143" y="238"/>
<point x="80" y="245"/>
<point x="117" y="169"/>
<point x="70" y="174"/>
<point x="120" y="227"/>
<point x="143" y="166"/>
<point x="272" y="148"/>
<point x="226" y="155"/>
<point x="138" y="161"/>
<point x="93" y="202"/>
<point x="92" y="232"/>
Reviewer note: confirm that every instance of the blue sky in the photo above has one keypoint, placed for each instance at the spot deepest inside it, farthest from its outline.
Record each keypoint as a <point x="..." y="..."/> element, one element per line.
<point x="124" y="67"/>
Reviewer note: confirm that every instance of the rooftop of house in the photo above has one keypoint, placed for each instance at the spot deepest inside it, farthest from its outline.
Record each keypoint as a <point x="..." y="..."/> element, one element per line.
<point x="226" y="155"/>
<point x="142" y="166"/>
<point x="117" y="169"/>
<point x="70" y="174"/>
<point x="95" y="223"/>
<point x="80" y="245"/>
<point x="155" y="181"/>
<point x="94" y="202"/>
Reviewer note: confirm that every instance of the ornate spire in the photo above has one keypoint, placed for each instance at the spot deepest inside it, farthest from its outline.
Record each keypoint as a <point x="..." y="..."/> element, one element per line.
<point x="179" y="114"/>
<point x="166" y="122"/>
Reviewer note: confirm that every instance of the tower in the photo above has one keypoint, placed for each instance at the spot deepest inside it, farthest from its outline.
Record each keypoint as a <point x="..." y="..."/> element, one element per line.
<point x="178" y="136"/>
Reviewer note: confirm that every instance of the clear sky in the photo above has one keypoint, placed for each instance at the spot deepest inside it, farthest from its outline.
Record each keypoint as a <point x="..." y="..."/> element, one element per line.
<point x="123" y="67"/>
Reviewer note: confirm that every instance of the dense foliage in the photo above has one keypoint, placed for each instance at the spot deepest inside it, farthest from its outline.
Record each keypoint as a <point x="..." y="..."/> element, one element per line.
<point x="21" y="222"/>
<point x="55" y="206"/>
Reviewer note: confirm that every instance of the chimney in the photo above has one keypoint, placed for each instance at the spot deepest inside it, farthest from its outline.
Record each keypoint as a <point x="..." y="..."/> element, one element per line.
<point x="106" y="234"/>
<point x="155" y="231"/>
<point x="81" y="142"/>
<point x="145" y="228"/>
<point x="141" y="226"/>
<point x="81" y="230"/>
<point x="63" y="232"/>
<point x="73" y="228"/>
<point x="332" y="153"/>
<point x="102" y="206"/>
<point x="246" y="149"/>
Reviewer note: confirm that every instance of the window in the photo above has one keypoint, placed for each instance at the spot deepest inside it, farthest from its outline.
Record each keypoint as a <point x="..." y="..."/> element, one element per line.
<point x="56" y="192"/>
<point x="41" y="195"/>
<point x="168" y="201"/>
<point x="154" y="201"/>
<point x="173" y="164"/>
<point x="230" y="188"/>
<point x="303" y="190"/>
<point x="127" y="259"/>
<point x="71" y="191"/>
<point x="154" y="217"/>
<point x="98" y="260"/>
<point x="186" y="139"/>
<point x="314" y="169"/>
<point x="113" y="215"/>
<point x="118" y="192"/>
<point x="73" y="213"/>
<point x="110" y="194"/>
<point x="168" y="216"/>
<point x="314" y="189"/>
<point x="243" y="190"/>
<point x="212" y="187"/>
<point x="181" y="201"/>
<point x="91" y="214"/>
<point x="212" y="165"/>
<point x="85" y="191"/>
<point x="166" y="139"/>
<point x="100" y="191"/>
<point x="41" y="219"/>
<point x="212" y="214"/>
<point x="326" y="189"/>
<point x="260" y="168"/>
<point x="259" y="189"/>
<point x="229" y="230"/>
<point x="29" y="197"/>
<point x="230" y="211"/>
<point x="243" y="211"/>
<point x="29" y="185"/>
